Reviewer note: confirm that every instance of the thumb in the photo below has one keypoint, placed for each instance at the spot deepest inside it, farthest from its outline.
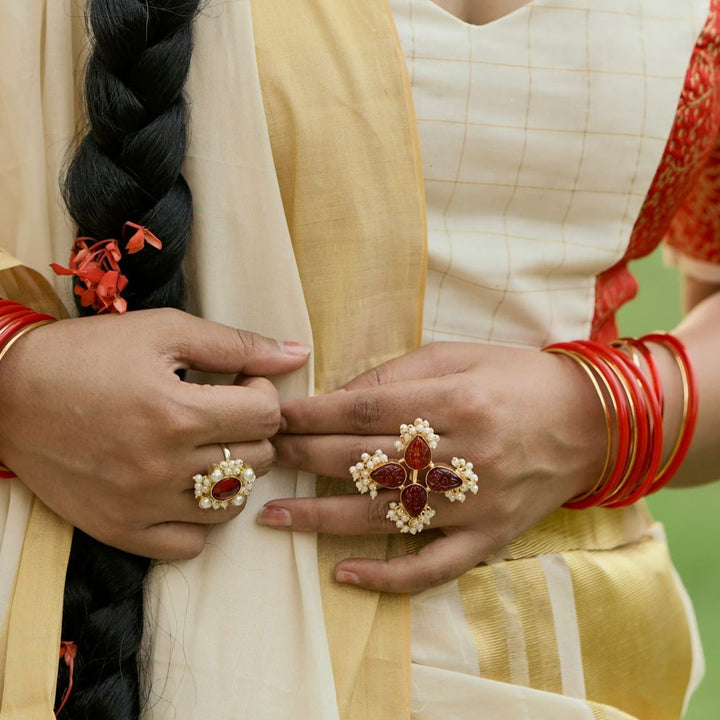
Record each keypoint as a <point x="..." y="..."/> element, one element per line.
<point x="212" y="347"/>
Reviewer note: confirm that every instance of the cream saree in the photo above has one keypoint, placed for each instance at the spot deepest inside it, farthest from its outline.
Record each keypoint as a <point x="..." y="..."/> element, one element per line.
<point x="286" y="182"/>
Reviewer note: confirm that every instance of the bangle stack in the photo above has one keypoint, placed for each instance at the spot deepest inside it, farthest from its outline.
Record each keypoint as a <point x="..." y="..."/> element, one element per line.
<point x="632" y="404"/>
<point x="15" y="321"/>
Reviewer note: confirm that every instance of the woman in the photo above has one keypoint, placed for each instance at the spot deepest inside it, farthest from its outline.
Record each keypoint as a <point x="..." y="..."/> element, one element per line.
<point x="545" y="169"/>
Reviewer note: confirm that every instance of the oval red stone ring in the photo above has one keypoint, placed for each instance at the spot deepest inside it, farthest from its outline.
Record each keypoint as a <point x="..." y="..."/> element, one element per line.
<point x="415" y="474"/>
<point x="227" y="483"/>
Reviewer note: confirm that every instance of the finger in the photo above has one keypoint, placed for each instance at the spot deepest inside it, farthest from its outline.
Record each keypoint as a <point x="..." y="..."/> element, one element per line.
<point x="168" y="541"/>
<point x="211" y="347"/>
<point x="261" y="384"/>
<point x="259" y="455"/>
<point x="256" y="457"/>
<point x="221" y="413"/>
<point x="375" y="411"/>
<point x="439" y="562"/>
<point x="359" y="514"/>
<point x="334" y="455"/>
<point x="429" y="361"/>
<point x="334" y="515"/>
<point x="329" y="455"/>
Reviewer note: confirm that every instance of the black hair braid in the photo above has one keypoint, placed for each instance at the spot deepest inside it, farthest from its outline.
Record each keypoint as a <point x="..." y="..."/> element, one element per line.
<point x="126" y="168"/>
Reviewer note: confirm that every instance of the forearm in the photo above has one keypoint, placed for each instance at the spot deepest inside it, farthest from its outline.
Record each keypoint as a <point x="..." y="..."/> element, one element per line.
<point x="700" y="332"/>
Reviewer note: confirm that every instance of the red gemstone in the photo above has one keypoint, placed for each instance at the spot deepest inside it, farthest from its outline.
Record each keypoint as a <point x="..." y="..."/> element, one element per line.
<point x="414" y="499"/>
<point x="390" y="475"/>
<point x="417" y="454"/>
<point x="442" y="479"/>
<point x="226" y="489"/>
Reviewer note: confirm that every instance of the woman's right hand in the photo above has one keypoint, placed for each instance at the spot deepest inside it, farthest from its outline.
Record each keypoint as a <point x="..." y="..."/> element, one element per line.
<point x="95" y="420"/>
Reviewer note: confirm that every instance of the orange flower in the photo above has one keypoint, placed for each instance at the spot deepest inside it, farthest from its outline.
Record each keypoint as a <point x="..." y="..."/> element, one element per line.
<point x="96" y="265"/>
<point x="142" y="235"/>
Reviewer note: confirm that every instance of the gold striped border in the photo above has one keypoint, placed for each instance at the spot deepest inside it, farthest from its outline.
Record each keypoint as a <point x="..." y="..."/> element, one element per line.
<point x="631" y="619"/>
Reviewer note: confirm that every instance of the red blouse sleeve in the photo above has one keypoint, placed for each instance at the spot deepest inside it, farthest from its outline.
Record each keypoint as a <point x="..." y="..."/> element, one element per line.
<point x="694" y="234"/>
<point x="683" y="202"/>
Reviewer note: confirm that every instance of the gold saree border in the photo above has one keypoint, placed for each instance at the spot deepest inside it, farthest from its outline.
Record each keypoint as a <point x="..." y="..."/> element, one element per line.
<point x="33" y="647"/>
<point x="347" y="158"/>
<point x="629" y="598"/>
<point x="28" y="287"/>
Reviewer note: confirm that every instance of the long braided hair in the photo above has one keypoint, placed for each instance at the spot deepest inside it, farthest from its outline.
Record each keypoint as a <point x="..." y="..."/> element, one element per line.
<point x="127" y="167"/>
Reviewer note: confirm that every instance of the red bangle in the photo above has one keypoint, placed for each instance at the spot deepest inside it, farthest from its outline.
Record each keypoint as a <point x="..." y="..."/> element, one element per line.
<point x="622" y="419"/>
<point x="627" y="423"/>
<point x="642" y="348"/>
<point x="690" y="406"/>
<point x="15" y="321"/>
<point x="639" y="421"/>
<point x="5" y="320"/>
<point x="591" y="372"/>
<point x="18" y="324"/>
<point x="638" y="405"/>
<point x="648" y="468"/>
<point x="6" y="305"/>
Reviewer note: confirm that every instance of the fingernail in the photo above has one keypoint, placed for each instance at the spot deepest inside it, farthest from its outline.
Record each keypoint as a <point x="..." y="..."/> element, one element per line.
<point x="283" y="423"/>
<point x="343" y="576"/>
<point x="295" y="348"/>
<point x="274" y="516"/>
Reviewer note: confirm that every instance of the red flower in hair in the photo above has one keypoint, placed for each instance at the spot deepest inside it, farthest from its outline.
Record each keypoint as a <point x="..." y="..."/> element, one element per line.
<point x="141" y="236"/>
<point x="96" y="264"/>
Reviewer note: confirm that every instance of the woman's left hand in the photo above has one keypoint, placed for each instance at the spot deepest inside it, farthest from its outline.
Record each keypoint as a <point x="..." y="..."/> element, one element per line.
<point x="530" y="423"/>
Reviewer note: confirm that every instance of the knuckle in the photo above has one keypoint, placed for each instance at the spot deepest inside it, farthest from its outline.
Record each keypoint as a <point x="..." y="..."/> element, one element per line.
<point x="471" y="401"/>
<point x="436" y="353"/>
<point x="377" y="511"/>
<point x="289" y="451"/>
<point x="173" y="416"/>
<point x="168" y="317"/>
<point x="364" y="413"/>
<point x="268" y="417"/>
<point x="248" y="342"/>
<point x="354" y="451"/>
<point x="434" y="576"/>
<point x="380" y="375"/>
<point x="385" y="583"/>
<point x="310" y="516"/>
<point x="167" y="325"/>
<point x="265" y="458"/>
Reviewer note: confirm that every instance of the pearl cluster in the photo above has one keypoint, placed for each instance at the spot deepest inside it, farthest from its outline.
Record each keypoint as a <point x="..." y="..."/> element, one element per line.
<point x="361" y="472"/>
<point x="464" y="470"/>
<point x="204" y="484"/>
<point x="405" y="522"/>
<point x="419" y="427"/>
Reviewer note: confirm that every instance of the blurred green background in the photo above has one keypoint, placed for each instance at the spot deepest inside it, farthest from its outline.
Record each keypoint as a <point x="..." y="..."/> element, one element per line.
<point x="691" y="516"/>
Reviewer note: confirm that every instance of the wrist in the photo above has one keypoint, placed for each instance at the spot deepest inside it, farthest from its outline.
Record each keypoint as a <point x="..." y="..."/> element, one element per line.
<point x="647" y="442"/>
<point x="16" y="321"/>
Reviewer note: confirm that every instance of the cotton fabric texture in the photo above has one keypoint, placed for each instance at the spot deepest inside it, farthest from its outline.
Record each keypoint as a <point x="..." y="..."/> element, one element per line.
<point x="301" y="218"/>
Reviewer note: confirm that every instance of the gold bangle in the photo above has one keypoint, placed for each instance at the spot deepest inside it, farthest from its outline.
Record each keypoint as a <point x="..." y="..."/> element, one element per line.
<point x="635" y="431"/>
<point x="587" y="366"/>
<point x="4" y="352"/>
<point x="686" y="405"/>
<point x="632" y="351"/>
<point x="20" y="333"/>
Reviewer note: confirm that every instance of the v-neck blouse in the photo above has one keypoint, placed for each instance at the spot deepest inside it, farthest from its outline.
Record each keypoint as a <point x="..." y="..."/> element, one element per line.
<point x="541" y="133"/>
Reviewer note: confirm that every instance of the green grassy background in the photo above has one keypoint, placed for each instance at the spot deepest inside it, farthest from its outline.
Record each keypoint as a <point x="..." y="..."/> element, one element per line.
<point x="691" y="516"/>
